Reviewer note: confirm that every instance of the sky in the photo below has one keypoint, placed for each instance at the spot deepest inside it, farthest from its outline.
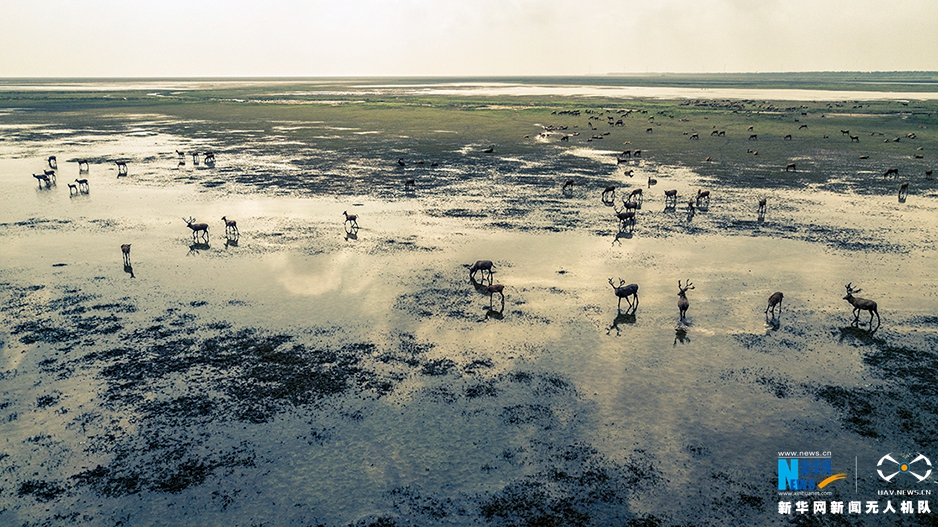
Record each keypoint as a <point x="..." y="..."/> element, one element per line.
<point x="210" y="38"/>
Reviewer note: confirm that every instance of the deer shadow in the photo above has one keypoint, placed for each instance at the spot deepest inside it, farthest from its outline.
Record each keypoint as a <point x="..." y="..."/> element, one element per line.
<point x="622" y="318"/>
<point x="129" y="269"/>
<point x="198" y="246"/>
<point x="680" y="335"/>
<point x="231" y="239"/>
<point x="853" y="333"/>
<point x="669" y="207"/>
<point x="761" y="217"/>
<point x="773" y="323"/>
<point x="620" y="235"/>
<point x="496" y="314"/>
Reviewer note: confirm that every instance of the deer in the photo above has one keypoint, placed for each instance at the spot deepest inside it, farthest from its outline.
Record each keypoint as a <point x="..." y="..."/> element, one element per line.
<point x="83" y="163"/>
<point x="928" y="173"/>
<point x="637" y="194"/>
<point x="182" y="155"/>
<point x="753" y="137"/>
<point x="50" y="174"/>
<point x="489" y="150"/>
<point x="670" y="195"/>
<point x="483" y="266"/>
<point x="197" y="228"/>
<point x="652" y="181"/>
<point x="775" y="300"/>
<point x="845" y="132"/>
<point x="42" y="178"/>
<point x="611" y="189"/>
<point x="803" y="127"/>
<point x="762" y="204"/>
<point x="903" y="190"/>
<point x="792" y="166"/>
<point x="861" y="304"/>
<point x="703" y="195"/>
<point x="121" y="168"/>
<point x="82" y="184"/>
<point x="125" y="248"/>
<point x="195" y="157"/>
<point x="351" y="219"/>
<point x="568" y="184"/>
<point x="787" y="137"/>
<point x="854" y="139"/>
<point x="695" y="136"/>
<point x="410" y="183"/>
<point x="682" y="303"/>
<point x="71" y="187"/>
<point x="627" y="292"/>
<point x="230" y="226"/>
<point x="209" y="158"/>
<point x="53" y="164"/>
<point x="495" y="288"/>
<point x="891" y="172"/>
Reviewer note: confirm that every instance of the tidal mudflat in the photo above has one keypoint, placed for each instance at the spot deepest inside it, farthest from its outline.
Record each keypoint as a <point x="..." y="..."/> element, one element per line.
<point x="303" y="372"/>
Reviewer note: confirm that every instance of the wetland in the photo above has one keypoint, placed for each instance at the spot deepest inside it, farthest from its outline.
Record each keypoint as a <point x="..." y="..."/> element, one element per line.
<point x="305" y="372"/>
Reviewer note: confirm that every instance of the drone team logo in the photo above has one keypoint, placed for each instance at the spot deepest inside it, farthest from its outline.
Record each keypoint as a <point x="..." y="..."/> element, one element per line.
<point x="888" y="468"/>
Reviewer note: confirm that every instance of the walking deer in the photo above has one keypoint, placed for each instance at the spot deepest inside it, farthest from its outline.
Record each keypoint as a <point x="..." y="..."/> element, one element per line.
<point x="627" y="292"/>
<point x="197" y="228"/>
<point x="861" y="304"/>
<point x="483" y="266"/>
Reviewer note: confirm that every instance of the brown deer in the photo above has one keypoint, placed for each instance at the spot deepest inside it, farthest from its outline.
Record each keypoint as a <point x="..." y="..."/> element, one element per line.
<point x="753" y="137"/>
<point x="71" y="187"/>
<point x="637" y="194"/>
<point x="568" y="184"/>
<point x="351" y="219"/>
<point x="230" y="226"/>
<point x="483" y="266"/>
<point x="83" y="163"/>
<point x="670" y="195"/>
<point x="854" y="139"/>
<point x="125" y="248"/>
<point x="611" y="189"/>
<point x="627" y="292"/>
<point x="53" y="164"/>
<point x="82" y="184"/>
<point x="891" y="172"/>
<point x="792" y="166"/>
<point x="775" y="300"/>
<point x="682" y="303"/>
<point x="410" y="184"/>
<point x="197" y="228"/>
<point x="42" y="178"/>
<point x="861" y="304"/>
<point x="762" y="205"/>
<point x="787" y="137"/>
<point x="903" y="190"/>
<point x="703" y="195"/>
<point x="121" y="168"/>
<point x="495" y="288"/>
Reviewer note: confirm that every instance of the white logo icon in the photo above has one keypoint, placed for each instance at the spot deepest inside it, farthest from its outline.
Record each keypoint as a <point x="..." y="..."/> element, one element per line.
<point x="903" y="468"/>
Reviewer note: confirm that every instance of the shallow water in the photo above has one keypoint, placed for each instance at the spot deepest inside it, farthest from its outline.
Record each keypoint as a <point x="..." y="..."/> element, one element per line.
<point x="302" y="372"/>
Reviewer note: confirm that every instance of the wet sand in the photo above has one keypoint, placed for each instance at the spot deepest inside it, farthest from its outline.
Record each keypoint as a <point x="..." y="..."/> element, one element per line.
<point x="302" y="373"/>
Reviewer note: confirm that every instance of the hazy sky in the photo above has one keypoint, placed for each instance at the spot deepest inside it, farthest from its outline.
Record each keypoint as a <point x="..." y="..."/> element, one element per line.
<point x="184" y="38"/>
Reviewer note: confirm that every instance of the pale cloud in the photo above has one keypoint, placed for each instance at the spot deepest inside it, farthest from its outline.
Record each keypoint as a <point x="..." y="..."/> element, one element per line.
<point x="461" y="37"/>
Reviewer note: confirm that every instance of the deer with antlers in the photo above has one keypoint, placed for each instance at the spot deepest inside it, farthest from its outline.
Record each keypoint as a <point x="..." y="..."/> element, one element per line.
<point x="861" y="304"/>
<point x="682" y="303"/>
<point x="627" y="292"/>
<point x="197" y="228"/>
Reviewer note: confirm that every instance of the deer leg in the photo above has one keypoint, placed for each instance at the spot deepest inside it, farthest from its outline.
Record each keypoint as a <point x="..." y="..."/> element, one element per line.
<point x="619" y="306"/>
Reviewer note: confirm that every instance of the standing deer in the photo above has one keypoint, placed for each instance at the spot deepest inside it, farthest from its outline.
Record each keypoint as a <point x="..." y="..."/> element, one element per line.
<point x="351" y="219"/>
<point x="775" y="300"/>
<point x="125" y="248"/>
<point x="611" y="189"/>
<point x="197" y="228"/>
<point x="703" y="195"/>
<point x="854" y="139"/>
<point x="682" y="303"/>
<point x="495" y="288"/>
<point x="792" y="166"/>
<point x="637" y="194"/>
<point x="83" y="166"/>
<point x="230" y="226"/>
<point x="627" y="292"/>
<point x="861" y="304"/>
<point x="568" y="184"/>
<point x="670" y="196"/>
<point x="82" y="185"/>
<point x="121" y="168"/>
<point x="762" y="204"/>
<point x="53" y="164"/>
<point x="891" y="172"/>
<point x="481" y="265"/>
<point x="903" y="190"/>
